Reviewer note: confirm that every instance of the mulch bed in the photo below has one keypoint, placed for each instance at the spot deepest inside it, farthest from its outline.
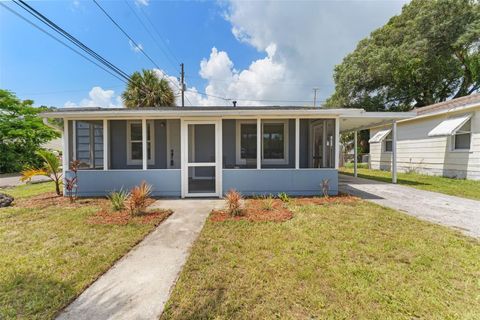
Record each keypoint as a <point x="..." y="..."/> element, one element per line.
<point x="50" y="199"/>
<point x="254" y="211"/>
<point x="109" y="217"/>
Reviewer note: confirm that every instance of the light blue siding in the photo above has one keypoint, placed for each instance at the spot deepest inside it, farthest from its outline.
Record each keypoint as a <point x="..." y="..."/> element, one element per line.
<point x="165" y="183"/>
<point x="266" y="181"/>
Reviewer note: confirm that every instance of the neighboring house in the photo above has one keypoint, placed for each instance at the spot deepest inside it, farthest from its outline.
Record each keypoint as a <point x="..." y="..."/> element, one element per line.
<point x="205" y="151"/>
<point x="442" y="139"/>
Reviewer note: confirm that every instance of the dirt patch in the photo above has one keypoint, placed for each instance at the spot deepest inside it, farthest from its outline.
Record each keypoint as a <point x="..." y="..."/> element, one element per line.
<point x="255" y="210"/>
<point x="340" y="199"/>
<point x="51" y="199"/>
<point x="107" y="216"/>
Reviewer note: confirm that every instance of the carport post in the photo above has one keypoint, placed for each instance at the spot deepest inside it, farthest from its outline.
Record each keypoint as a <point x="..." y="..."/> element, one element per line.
<point x="355" y="155"/>
<point x="394" y="152"/>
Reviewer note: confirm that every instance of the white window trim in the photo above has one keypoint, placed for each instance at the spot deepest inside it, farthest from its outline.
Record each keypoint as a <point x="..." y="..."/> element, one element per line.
<point x="453" y="137"/>
<point x="286" y="151"/>
<point x="238" y="135"/>
<point x="131" y="161"/>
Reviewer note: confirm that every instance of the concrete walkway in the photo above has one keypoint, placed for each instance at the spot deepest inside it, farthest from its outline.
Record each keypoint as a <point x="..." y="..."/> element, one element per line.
<point x="460" y="213"/>
<point x="138" y="286"/>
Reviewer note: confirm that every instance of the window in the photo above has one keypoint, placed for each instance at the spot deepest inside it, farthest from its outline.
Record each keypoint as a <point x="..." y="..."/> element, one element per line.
<point x="388" y="143"/>
<point x="275" y="142"/>
<point x="246" y="141"/>
<point x="89" y="144"/>
<point x="461" y="138"/>
<point x="134" y="142"/>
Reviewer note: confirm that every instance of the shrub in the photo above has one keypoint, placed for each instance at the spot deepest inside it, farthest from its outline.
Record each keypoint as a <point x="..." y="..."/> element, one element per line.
<point x="118" y="199"/>
<point x="137" y="201"/>
<point x="234" y="199"/>
<point x="267" y="203"/>
<point x="284" y="197"/>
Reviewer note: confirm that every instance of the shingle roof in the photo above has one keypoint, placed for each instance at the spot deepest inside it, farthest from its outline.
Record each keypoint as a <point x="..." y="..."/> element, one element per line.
<point x="446" y="105"/>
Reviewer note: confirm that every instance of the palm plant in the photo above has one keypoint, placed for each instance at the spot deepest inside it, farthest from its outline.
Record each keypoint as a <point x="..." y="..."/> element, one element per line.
<point x="146" y="89"/>
<point x="51" y="168"/>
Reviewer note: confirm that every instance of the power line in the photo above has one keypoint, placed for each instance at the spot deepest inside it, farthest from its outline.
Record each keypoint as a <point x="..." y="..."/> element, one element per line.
<point x="240" y="99"/>
<point x="60" y="41"/>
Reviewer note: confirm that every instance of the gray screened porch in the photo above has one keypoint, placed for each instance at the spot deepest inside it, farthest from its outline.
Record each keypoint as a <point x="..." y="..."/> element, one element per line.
<point x="206" y="151"/>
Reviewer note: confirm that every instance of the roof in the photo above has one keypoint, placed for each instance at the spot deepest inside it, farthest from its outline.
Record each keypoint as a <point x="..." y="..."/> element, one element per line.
<point x="351" y="119"/>
<point x="441" y="107"/>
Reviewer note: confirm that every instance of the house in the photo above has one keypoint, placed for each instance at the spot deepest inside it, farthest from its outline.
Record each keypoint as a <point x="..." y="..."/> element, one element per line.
<point x="442" y="139"/>
<point x="205" y="151"/>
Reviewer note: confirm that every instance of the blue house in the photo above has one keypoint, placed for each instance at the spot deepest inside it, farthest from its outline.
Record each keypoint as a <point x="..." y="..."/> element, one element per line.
<point x="205" y="151"/>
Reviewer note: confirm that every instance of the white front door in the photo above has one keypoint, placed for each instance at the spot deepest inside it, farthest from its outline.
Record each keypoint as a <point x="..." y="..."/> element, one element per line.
<point x="201" y="158"/>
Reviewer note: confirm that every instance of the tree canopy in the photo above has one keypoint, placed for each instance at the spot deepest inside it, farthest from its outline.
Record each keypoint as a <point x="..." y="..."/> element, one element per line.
<point x="146" y="89"/>
<point x="22" y="132"/>
<point x="427" y="54"/>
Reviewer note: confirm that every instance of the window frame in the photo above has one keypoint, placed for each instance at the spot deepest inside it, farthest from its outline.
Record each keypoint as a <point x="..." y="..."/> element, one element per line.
<point x="286" y="151"/>
<point x="384" y="142"/>
<point x="238" y="134"/>
<point x="454" y="136"/>
<point x="131" y="161"/>
<point x="92" y="144"/>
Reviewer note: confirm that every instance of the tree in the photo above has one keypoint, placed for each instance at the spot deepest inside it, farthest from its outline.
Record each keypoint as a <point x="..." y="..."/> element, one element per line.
<point x="50" y="168"/>
<point x="427" y="54"/>
<point x="146" y="89"/>
<point x="22" y="132"/>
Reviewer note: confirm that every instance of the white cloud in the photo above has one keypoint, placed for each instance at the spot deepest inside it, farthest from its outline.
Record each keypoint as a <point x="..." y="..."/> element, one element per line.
<point x="98" y="97"/>
<point x="142" y="2"/>
<point x="135" y="48"/>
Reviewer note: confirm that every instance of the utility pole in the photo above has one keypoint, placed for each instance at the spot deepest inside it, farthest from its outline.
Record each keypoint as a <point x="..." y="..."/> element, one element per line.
<point x="182" y="83"/>
<point x="315" y="96"/>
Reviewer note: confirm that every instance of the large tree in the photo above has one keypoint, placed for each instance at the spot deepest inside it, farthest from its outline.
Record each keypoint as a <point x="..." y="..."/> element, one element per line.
<point x="22" y="132"/>
<point x="146" y="89"/>
<point x="427" y="54"/>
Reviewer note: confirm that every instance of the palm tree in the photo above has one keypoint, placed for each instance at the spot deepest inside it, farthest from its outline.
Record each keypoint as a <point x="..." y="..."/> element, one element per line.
<point x="51" y="168"/>
<point x="146" y="89"/>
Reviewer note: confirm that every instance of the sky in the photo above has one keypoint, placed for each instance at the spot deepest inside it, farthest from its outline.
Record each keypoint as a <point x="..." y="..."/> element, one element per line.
<point x="255" y="52"/>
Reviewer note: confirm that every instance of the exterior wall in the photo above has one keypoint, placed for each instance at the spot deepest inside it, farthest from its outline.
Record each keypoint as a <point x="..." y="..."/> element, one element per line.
<point x="165" y="183"/>
<point x="272" y="181"/>
<point x="430" y="155"/>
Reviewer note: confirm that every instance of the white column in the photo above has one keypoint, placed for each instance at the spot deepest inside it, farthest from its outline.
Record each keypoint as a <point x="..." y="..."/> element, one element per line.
<point x="297" y="143"/>
<point x="144" y="144"/>
<point x="337" y="142"/>
<point x="65" y="159"/>
<point x="105" y="144"/>
<point x="355" y="155"/>
<point x="394" y="152"/>
<point x="259" y="143"/>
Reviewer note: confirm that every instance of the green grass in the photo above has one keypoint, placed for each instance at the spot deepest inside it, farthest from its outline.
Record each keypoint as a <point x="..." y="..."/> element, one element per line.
<point x="29" y="190"/>
<point x="455" y="187"/>
<point x="357" y="261"/>
<point x="49" y="256"/>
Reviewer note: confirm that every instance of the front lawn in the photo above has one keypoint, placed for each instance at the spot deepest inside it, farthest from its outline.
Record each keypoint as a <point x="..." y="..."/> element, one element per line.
<point x="454" y="187"/>
<point x="349" y="260"/>
<point x="50" y="253"/>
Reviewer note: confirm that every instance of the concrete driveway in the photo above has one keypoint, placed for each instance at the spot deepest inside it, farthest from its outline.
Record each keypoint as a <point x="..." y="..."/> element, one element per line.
<point x="13" y="180"/>
<point x="459" y="213"/>
<point x="139" y="284"/>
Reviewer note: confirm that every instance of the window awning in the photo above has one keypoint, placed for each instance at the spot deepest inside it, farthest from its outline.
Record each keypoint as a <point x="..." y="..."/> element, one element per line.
<point x="379" y="136"/>
<point x="449" y="126"/>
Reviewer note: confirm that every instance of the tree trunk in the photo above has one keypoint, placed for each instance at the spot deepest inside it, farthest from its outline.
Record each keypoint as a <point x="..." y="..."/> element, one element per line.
<point x="57" y="187"/>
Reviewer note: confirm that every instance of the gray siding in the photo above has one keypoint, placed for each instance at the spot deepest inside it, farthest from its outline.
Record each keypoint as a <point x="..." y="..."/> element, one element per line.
<point x="229" y="143"/>
<point x="270" y="181"/>
<point x="165" y="183"/>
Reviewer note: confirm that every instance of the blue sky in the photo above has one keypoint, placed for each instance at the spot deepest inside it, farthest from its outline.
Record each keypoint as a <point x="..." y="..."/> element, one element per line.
<point x="250" y="50"/>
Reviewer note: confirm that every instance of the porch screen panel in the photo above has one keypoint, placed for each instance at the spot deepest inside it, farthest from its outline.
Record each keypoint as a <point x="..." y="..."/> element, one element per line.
<point x="317" y="141"/>
<point x="89" y="144"/>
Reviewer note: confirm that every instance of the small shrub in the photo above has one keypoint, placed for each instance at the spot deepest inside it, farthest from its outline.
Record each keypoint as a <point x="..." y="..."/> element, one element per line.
<point x="325" y="187"/>
<point x="118" y="199"/>
<point x="267" y="203"/>
<point x="234" y="199"/>
<point x="284" y="197"/>
<point x="137" y="201"/>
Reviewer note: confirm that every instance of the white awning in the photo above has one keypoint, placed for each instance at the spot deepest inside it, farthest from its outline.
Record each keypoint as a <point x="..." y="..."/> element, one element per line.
<point x="379" y="136"/>
<point x="450" y="126"/>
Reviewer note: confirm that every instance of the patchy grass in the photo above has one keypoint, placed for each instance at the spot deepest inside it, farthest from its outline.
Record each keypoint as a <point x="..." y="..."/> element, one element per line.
<point x="455" y="187"/>
<point x="29" y="190"/>
<point x="50" y="254"/>
<point x="332" y="261"/>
